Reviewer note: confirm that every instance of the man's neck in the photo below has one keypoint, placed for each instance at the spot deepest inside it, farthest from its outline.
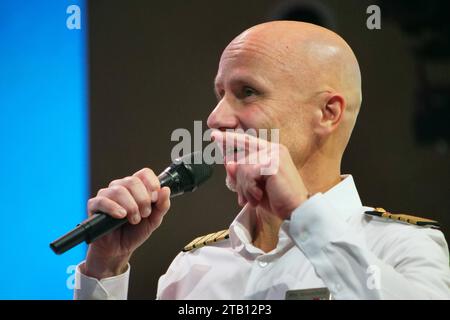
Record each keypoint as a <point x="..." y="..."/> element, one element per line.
<point x="265" y="230"/>
<point x="266" y="226"/>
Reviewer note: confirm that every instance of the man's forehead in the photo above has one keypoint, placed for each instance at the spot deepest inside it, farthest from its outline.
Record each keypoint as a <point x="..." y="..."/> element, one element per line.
<point x="249" y="59"/>
<point x="248" y="49"/>
<point x="241" y="75"/>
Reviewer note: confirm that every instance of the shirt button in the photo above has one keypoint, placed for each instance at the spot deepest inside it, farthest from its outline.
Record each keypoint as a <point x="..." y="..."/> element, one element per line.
<point x="262" y="264"/>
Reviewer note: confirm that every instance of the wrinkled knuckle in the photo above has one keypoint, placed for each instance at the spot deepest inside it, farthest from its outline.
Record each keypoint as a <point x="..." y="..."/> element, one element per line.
<point x="117" y="190"/>
<point x="114" y="182"/>
<point x="92" y="202"/>
<point x="156" y="185"/>
<point x="152" y="177"/>
<point x="148" y="172"/>
<point x="96" y="203"/>
<point x="131" y="181"/>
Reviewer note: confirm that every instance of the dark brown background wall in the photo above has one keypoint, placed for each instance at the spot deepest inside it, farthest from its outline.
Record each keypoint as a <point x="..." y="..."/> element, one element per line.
<point x="152" y="64"/>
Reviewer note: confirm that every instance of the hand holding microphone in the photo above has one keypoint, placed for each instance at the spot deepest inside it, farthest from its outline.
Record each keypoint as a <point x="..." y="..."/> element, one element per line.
<point x="124" y="215"/>
<point x="138" y="199"/>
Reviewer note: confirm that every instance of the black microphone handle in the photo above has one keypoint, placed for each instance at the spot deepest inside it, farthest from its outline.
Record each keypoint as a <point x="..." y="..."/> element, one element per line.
<point x="100" y="223"/>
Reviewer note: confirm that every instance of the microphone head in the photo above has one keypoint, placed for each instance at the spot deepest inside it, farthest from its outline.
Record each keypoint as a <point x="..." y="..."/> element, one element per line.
<point x="197" y="168"/>
<point x="186" y="174"/>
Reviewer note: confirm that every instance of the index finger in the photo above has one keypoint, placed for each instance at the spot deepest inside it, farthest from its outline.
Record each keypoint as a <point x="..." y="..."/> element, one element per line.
<point x="149" y="178"/>
<point x="237" y="146"/>
<point x="241" y="139"/>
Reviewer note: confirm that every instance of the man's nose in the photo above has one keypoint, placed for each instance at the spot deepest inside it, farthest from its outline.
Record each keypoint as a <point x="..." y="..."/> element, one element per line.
<point x="223" y="117"/>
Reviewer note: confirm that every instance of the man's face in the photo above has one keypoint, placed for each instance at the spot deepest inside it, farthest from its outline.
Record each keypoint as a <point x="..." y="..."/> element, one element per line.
<point x="256" y="89"/>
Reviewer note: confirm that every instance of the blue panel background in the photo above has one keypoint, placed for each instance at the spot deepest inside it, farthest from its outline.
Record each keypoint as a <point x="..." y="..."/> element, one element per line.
<point x="43" y="145"/>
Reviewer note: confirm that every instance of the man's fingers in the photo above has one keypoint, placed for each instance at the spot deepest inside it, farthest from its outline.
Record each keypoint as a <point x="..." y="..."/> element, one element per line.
<point x="161" y="207"/>
<point x="154" y="196"/>
<point x="149" y="178"/>
<point x="163" y="202"/>
<point x="247" y="183"/>
<point x="250" y="199"/>
<point x="256" y="195"/>
<point x="123" y="197"/>
<point x="105" y="205"/>
<point x="229" y="140"/>
<point x="131" y="197"/>
<point x="230" y="179"/>
<point x="242" y="200"/>
<point x="139" y="192"/>
<point x="231" y="168"/>
<point x="236" y="138"/>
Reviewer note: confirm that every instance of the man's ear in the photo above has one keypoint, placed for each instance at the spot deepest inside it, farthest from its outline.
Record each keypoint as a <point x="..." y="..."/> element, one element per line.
<point x="332" y="113"/>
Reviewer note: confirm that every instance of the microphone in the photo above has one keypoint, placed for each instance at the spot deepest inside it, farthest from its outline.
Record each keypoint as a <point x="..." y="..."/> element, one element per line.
<point x="183" y="175"/>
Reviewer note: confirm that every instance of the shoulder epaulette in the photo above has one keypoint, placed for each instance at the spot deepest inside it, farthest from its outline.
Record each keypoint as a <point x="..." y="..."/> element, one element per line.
<point x="208" y="239"/>
<point x="380" y="212"/>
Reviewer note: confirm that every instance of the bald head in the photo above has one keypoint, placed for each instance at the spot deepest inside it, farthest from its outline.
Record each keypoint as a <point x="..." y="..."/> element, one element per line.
<point x="318" y="58"/>
<point x="294" y="71"/>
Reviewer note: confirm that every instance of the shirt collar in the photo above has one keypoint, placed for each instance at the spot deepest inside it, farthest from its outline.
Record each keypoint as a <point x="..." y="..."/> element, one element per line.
<point x="343" y="196"/>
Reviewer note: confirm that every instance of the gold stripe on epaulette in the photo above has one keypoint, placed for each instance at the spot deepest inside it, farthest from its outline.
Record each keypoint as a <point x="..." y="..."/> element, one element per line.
<point x="207" y="239"/>
<point x="191" y="244"/>
<point x="221" y="235"/>
<point x="380" y="212"/>
<point x="201" y="241"/>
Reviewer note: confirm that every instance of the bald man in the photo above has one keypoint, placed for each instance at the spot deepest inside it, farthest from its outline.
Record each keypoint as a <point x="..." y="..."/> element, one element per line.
<point x="301" y="227"/>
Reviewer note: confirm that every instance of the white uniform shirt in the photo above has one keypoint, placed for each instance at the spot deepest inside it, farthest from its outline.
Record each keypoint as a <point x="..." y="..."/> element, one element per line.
<point x="328" y="242"/>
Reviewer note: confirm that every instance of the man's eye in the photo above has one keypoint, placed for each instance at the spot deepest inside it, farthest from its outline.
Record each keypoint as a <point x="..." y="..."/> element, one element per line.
<point x="248" y="92"/>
